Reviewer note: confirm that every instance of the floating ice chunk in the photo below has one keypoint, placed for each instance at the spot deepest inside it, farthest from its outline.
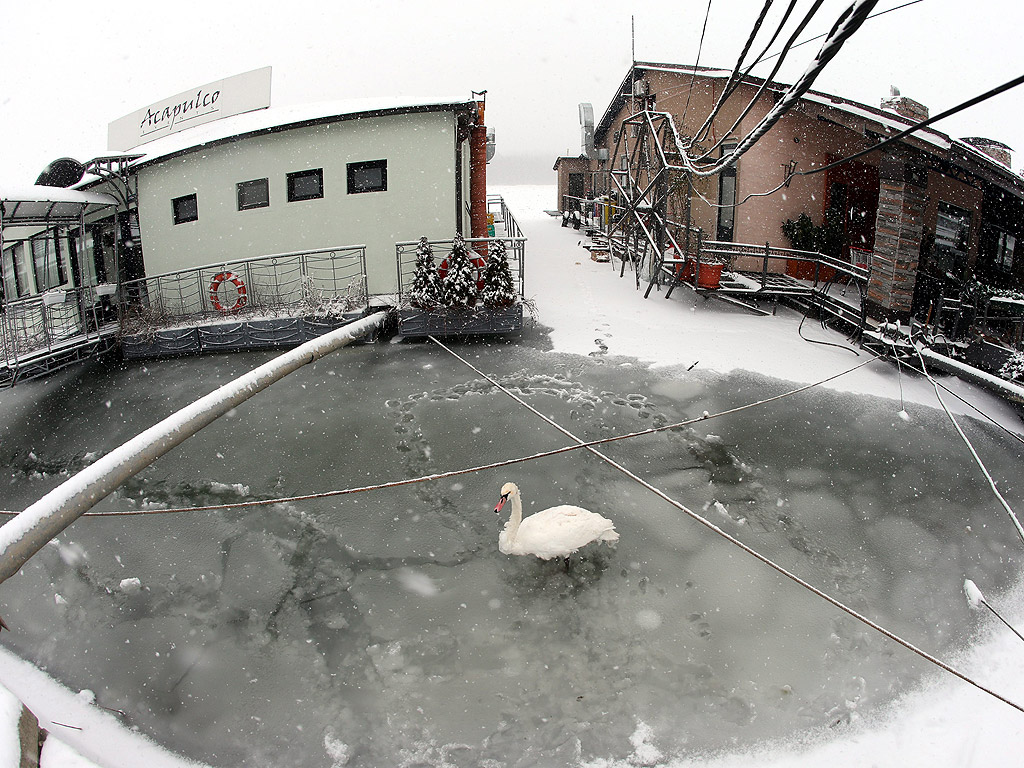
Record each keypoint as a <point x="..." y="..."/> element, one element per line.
<point x="336" y="749"/>
<point x="417" y="581"/>
<point x="131" y="586"/>
<point x="974" y="596"/>
<point x="648" y="619"/>
<point x="241" y="490"/>
<point x="644" y="753"/>
<point x="721" y="509"/>
<point x="86" y="695"/>
<point x="59" y="599"/>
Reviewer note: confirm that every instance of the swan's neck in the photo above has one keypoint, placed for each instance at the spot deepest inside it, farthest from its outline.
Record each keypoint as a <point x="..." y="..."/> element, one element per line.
<point x="514" y="520"/>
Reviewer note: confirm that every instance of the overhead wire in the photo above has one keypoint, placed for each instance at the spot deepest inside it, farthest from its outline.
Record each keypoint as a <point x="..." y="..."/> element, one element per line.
<point x="767" y="81"/>
<point x="735" y="78"/>
<point x="700" y="47"/>
<point x="847" y="24"/>
<point x="746" y="548"/>
<point x="818" y="37"/>
<point x="468" y="470"/>
<point x="875" y="147"/>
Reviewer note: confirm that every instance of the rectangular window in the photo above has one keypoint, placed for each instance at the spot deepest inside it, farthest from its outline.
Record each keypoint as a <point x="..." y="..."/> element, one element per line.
<point x="1004" y="251"/>
<point x="305" y="185"/>
<point x="253" y="194"/>
<point x="185" y="209"/>
<point x="727" y="199"/>
<point x="370" y="176"/>
<point x="21" y="271"/>
<point x="47" y="261"/>
<point x="952" y="238"/>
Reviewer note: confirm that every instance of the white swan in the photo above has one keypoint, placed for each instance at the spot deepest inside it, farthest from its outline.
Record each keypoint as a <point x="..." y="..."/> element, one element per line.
<point x="555" y="532"/>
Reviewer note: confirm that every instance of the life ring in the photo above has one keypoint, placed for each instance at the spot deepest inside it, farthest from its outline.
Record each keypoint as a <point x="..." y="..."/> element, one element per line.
<point x="478" y="262"/>
<point x="227" y="277"/>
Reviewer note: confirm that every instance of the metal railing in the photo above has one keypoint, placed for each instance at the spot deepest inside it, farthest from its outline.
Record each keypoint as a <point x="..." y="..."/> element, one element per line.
<point x="52" y="322"/>
<point x="515" y="249"/>
<point x="503" y="216"/>
<point x="326" y="280"/>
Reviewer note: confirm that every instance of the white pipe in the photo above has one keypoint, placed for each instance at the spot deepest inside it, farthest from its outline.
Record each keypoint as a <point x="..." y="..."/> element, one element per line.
<point x="30" y="531"/>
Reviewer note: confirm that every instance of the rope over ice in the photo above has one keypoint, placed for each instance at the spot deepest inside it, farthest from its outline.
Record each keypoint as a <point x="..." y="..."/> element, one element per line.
<point x="733" y="540"/>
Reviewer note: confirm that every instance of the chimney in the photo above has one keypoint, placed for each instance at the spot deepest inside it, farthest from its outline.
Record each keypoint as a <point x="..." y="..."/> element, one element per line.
<point x="901" y="105"/>
<point x="994" y="149"/>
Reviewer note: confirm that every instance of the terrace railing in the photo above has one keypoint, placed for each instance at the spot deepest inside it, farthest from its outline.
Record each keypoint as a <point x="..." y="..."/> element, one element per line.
<point x="503" y="216"/>
<point x="50" y="323"/>
<point x="515" y="249"/>
<point x="327" y="280"/>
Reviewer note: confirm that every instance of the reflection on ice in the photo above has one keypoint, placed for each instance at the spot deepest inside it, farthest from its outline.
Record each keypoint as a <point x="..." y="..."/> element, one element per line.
<point x="384" y="628"/>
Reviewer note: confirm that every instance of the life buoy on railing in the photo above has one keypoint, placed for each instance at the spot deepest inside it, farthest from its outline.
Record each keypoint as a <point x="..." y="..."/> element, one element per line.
<point x="478" y="263"/>
<point x="215" y="284"/>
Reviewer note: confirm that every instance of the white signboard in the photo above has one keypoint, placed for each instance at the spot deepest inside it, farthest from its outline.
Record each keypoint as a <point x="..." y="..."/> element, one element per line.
<point x="213" y="101"/>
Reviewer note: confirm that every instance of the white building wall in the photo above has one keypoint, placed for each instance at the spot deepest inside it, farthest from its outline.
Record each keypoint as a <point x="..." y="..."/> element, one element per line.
<point x="420" y="199"/>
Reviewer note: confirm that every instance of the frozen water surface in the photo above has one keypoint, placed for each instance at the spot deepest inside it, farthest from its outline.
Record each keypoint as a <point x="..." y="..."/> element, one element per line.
<point x="384" y="628"/>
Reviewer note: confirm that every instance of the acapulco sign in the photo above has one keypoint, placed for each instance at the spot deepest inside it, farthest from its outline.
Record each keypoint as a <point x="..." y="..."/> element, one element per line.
<point x="213" y="101"/>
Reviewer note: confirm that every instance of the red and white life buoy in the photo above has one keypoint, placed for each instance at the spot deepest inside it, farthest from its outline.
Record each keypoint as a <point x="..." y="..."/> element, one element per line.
<point x="479" y="264"/>
<point x="215" y="284"/>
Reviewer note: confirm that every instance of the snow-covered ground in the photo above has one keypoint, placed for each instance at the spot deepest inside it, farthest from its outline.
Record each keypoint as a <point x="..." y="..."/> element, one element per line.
<point x="590" y="310"/>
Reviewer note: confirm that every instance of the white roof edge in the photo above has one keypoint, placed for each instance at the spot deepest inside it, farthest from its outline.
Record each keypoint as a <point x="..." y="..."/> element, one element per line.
<point x="282" y="117"/>
<point x="36" y="193"/>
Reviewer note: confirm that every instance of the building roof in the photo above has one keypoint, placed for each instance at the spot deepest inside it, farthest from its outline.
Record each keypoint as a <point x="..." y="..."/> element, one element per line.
<point x="937" y="142"/>
<point x="274" y="119"/>
<point x="30" y="204"/>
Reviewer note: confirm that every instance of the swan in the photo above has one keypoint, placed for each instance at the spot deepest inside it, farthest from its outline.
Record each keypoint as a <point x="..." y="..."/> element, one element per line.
<point x="555" y="532"/>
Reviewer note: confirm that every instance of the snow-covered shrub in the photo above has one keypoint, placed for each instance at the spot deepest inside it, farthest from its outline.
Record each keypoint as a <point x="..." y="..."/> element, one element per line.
<point x="499" y="288"/>
<point x="427" y="291"/>
<point x="459" y="282"/>
<point x="1013" y="368"/>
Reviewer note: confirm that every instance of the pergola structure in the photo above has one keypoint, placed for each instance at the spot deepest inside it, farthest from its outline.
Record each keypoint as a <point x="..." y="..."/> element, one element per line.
<point x="34" y="337"/>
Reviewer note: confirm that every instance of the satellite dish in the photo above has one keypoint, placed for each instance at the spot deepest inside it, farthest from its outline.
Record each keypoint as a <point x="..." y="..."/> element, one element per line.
<point x="491" y="144"/>
<point x="61" y="173"/>
<point x="587" y="128"/>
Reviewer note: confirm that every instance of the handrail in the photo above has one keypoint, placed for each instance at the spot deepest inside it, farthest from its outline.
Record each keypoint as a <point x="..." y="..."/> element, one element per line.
<point x="325" y="279"/>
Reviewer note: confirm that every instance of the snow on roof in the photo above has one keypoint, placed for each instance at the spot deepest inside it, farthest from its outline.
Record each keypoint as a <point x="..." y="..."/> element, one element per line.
<point x="27" y="204"/>
<point x="280" y="118"/>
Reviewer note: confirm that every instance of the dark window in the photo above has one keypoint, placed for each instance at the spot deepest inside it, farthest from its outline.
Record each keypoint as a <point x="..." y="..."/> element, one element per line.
<point x="305" y="185"/>
<point x="371" y="176"/>
<point x="253" y="194"/>
<point x="952" y="238"/>
<point x="49" y="266"/>
<point x="185" y="209"/>
<point x="727" y="199"/>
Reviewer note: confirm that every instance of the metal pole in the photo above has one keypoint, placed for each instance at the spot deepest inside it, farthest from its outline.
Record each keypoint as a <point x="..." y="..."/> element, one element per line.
<point x="31" y="530"/>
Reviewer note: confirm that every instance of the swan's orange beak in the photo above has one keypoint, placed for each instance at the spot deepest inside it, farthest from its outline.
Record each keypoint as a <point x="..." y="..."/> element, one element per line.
<point x="501" y="503"/>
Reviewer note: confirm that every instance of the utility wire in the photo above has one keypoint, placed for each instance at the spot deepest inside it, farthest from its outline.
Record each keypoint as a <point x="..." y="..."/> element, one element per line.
<point x="700" y="47"/>
<point x="818" y="37"/>
<point x="764" y="86"/>
<point x="875" y="147"/>
<point x="974" y="453"/>
<point x="733" y="540"/>
<point x="735" y="78"/>
<point x="470" y="470"/>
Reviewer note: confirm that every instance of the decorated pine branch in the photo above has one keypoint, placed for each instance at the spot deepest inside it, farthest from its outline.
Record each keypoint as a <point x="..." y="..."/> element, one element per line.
<point x="499" y="288"/>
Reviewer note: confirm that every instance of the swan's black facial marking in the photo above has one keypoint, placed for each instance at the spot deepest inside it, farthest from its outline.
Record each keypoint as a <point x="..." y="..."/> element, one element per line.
<point x="501" y="503"/>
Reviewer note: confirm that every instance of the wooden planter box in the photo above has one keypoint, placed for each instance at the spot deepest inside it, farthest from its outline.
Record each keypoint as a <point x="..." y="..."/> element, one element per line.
<point x="449" y="322"/>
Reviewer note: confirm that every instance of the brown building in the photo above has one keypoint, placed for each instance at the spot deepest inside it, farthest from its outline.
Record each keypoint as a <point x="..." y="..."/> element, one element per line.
<point x="929" y="211"/>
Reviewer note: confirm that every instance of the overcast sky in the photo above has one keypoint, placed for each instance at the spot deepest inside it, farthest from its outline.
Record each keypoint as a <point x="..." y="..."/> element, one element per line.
<point x="70" y="68"/>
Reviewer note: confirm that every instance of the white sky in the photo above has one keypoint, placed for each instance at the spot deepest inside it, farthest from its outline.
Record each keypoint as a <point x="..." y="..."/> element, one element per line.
<point x="72" y="67"/>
